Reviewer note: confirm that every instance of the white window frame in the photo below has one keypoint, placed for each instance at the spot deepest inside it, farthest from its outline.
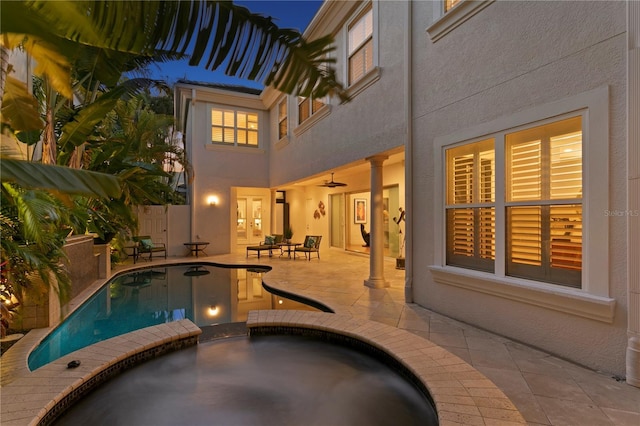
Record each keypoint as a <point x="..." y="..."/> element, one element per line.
<point x="314" y="116"/>
<point x="235" y="111"/>
<point x="446" y="21"/>
<point x="372" y="75"/>
<point x="592" y="300"/>
<point x="283" y="101"/>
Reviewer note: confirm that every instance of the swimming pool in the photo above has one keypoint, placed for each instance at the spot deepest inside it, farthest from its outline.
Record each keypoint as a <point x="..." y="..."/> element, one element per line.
<point x="206" y="294"/>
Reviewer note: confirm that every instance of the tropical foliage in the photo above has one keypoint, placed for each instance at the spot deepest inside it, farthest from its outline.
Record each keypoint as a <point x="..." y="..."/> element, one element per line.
<point x="83" y="115"/>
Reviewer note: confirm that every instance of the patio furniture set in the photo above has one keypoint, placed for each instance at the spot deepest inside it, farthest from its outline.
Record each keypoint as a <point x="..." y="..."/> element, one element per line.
<point x="310" y="245"/>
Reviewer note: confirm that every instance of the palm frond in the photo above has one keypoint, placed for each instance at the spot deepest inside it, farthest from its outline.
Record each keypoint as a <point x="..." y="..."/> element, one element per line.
<point x="58" y="178"/>
<point x="213" y="33"/>
<point x="78" y="130"/>
<point x="19" y="107"/>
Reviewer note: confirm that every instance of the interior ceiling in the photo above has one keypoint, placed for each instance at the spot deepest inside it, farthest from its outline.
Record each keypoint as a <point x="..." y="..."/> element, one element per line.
<point x="343" y="172"/>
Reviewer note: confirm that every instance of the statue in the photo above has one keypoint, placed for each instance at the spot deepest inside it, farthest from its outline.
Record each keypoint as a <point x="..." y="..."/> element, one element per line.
<point x="366" y="236"/>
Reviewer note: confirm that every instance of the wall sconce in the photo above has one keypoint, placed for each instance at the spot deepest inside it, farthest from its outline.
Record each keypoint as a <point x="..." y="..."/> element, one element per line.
<point x="213" y="200"/>
<point x="213" y="310"/>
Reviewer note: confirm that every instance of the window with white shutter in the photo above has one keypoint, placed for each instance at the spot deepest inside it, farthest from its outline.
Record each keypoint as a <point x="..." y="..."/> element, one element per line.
<point x="470" y="205"/>
<point x="544" y="202"/>
<point x="307" y="107"/>
<point x="360" y="46"/>
<point x="283" y="126"/>
<point x="234" y="127"/>
<point x="540" y="209"/>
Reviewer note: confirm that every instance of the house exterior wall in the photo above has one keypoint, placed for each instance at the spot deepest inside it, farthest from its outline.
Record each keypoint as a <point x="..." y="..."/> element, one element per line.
<point x="509" y="64"/>
<point x="513" y="58"/>
<point x="372" y="122"/>
<point x="217" y="169"/>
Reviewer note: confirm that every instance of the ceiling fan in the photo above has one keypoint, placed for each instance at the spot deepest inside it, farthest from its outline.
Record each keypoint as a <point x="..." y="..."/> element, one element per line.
<point x="332" y="184"/>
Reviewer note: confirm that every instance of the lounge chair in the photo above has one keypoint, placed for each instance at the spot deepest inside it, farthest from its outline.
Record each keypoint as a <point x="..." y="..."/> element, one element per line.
<point x="311" y="245"/>
<point x="269" y="244"/>
<point x="145" y="245"/>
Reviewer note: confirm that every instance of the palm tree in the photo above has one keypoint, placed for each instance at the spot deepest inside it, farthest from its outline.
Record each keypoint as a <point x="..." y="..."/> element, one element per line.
<point x="213" y="33"/>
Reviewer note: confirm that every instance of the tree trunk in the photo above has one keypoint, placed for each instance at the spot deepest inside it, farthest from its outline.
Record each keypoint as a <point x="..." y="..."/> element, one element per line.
<point x="4" y="61"/>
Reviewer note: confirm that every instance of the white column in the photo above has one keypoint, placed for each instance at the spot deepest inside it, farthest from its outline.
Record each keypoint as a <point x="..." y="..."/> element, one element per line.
<point x="633" y="195"/>
<point x="376" y="253"/>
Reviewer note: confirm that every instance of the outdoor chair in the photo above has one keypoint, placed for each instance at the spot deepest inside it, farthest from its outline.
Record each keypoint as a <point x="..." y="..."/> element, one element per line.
<point x="145" y="245"/>
<point x="270" y="242"/>
<point x="311" y="245"/>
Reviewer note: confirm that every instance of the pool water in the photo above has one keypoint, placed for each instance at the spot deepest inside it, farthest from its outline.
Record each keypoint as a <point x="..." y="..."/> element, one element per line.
<point x="265" y="380"/>
<point x="205" y="294"/>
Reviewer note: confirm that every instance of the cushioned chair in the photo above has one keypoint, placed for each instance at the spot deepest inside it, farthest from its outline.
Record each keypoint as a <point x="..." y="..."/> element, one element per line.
<point x="270" y="243"/>
<point x="146" y="245"/>
<point x="311" y="245"/>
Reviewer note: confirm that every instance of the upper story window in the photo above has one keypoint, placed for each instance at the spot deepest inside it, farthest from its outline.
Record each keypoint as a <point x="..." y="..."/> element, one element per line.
<point x="360" y="46"/>
<point x="307" y="107"/>
<point x="283" y="122"/>
<point x="449" y="14"/>
<point x="539" y="209"/>
<point x="450" y="4"/>
<point x="234" y="127"/>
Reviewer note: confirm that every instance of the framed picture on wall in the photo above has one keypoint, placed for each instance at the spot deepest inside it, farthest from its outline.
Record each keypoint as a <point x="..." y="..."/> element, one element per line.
<point x="359" y="210"/>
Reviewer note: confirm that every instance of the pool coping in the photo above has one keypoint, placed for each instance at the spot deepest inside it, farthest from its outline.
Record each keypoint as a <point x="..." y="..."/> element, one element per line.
<point x="38" y="397"/>
<point x="461" y="394"/>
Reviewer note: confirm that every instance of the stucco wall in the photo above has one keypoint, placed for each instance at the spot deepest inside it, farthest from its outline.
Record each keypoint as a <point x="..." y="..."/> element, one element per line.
<point x="217" y="170"/>
<point x="510" y="57"/>
<point x="372" y="122"/>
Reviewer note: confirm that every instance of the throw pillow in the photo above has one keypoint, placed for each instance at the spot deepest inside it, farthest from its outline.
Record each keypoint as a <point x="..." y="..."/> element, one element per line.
<point x="146" y="243"/>
<point x="310" y="242"/>
<point x="269" y="240"/>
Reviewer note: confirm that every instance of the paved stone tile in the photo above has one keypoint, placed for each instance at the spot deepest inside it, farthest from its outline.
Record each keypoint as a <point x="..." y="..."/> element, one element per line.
<point x="555" y="387"/>
<point x="562" y="412"/>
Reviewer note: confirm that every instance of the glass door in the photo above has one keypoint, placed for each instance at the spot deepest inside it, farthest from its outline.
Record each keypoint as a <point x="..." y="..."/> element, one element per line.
<point x="256" y="221"/>
<point x="336" y="220"/>
<point x="241" y="226"/>
<point x="249" y="227"/>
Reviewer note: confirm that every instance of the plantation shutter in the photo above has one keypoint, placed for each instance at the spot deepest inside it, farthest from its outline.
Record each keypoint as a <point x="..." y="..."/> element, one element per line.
<point x="544" y="203"/>
<point x="470" y="209"/>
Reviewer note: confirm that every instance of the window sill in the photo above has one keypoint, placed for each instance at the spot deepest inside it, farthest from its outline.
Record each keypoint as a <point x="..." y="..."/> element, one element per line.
<point x="309" y="122"/>
<point x="282" y="142"/>
<point x="364" y="82"/>
<point x="234" y="148"/>
<point x="567" y="300"/>
<point x="455" y="17"/>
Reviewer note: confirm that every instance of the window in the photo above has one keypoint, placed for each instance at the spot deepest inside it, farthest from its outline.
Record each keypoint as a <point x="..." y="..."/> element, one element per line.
<point x="360" y="46"/>
<point x="450" y="4"/>
<point x="283" y="123"/>
<point x="542" y="203"/>
<point x="471" y="206"/>
<point x="450" y="14"/>
<point x="234" y="127"/>
<point x="307" y="107"/>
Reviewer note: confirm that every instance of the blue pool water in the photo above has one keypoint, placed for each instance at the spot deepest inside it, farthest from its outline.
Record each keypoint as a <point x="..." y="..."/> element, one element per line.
<point x="205" y="294"/>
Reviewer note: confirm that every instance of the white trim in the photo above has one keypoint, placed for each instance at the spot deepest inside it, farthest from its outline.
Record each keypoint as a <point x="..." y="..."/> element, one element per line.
<point x="446" y="22"/>
<point x="557" y="298"/>
<point x="236" y="110"/>
<point x="595" y="107"/>
<point x="367" y="79"/>
<point x="363" y="82"/>
<point x="313" y="119"/>
<point x="221" y="147"/>
<point x="282" y="142"/>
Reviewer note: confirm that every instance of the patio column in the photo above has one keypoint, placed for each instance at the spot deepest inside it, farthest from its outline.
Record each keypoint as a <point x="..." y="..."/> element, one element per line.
<point x="376" y="253"/>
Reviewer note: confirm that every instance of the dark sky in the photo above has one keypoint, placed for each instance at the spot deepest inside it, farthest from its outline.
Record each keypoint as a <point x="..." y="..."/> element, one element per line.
<point x="295" y="14"/>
